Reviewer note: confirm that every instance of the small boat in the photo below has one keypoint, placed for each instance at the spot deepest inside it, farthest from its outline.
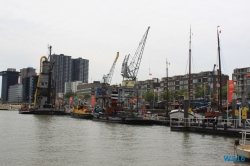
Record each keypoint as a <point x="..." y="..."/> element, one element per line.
<point x="179" y="114"/>
<point x="80" y="111"/>
<point x="242" y="148"/>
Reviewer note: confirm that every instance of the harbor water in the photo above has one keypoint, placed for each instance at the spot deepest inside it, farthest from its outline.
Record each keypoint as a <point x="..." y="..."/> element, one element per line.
<point x="39" y="140"/>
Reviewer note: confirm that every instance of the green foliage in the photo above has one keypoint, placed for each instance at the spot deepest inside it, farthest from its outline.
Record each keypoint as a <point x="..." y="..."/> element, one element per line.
<point x="150" y="96"/>
<point x="163" y="95"/>
<point x="199" y="91"/>
<point x="68" y="94"/>
<point x="224" y="92"/>
<point x="182" y="91"/>
<point x="87" y="96"/>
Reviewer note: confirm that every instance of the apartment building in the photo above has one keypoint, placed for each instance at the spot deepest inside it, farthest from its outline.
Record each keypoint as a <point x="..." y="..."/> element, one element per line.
<point x="241" y="77"/>
<point x="66" y="69"/>
<point x="178" y="82"/>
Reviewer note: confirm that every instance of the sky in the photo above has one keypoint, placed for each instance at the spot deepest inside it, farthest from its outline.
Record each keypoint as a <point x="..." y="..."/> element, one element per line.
<point x="97" y="29"/>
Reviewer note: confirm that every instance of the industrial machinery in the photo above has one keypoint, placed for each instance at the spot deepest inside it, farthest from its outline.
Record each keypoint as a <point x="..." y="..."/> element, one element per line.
<point x="106" y="81"/>
<point x="130" y="67"/>
<point x="107" y="78"/>
<point x="44" y="98"/>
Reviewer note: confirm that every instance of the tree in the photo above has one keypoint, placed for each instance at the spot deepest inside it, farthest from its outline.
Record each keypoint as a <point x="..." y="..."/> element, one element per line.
<point x="224" y="92"/>
<point x="199" y="92"/>
<point x="87" y="96"/>
<point x="180" y="93"/>
<point x="163" y="95"/>
<point x="149" y="96"/>
<point x="67" y="95"/>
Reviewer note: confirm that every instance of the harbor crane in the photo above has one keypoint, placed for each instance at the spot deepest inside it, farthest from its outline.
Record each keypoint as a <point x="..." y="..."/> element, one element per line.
<point x="106" y="81"/>
<point x="129" y="70"/>
<point x="107" y="78"/>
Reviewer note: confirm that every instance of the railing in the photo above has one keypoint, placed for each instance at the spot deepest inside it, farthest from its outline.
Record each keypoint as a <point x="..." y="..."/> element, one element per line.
<point x="244" y="139"/>
<point x="207" y="122"/>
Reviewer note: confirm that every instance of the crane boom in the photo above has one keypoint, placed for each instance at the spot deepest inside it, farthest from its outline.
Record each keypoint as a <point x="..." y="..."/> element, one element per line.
<point x="129" y="71"/>
<point x="110" y="74"/>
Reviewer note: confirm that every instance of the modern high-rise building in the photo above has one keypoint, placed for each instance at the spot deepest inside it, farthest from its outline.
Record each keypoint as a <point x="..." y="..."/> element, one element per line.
<point x="27" y="72"/>
<point x="66" y="69"/>
<point x="29" y="88"/>
<point x="9" y="77"/>
<point x="15" y="93"/>
<point x="61" y="71"/>
<point x="80" y="70"/>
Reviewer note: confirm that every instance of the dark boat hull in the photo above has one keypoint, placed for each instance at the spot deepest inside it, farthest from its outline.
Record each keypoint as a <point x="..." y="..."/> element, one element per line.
<point x="81" y="116"/>
<point x="138" y="121"/>
<point x="50" y="111"/>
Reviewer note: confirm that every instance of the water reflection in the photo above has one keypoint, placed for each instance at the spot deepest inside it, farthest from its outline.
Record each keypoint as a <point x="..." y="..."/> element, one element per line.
<point x="62" y="140"/>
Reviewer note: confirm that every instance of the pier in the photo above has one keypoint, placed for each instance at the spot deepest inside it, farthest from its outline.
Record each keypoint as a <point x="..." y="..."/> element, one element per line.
<point x="208" y="126"/>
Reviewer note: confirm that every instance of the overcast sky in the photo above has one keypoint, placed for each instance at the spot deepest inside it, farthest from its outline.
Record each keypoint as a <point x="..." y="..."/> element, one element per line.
<point x="98" y="29"/>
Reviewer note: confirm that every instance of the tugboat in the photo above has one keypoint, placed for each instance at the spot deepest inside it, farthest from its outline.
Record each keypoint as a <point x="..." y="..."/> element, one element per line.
<point x="44" y="98"/>
<point x="81" y="111"/>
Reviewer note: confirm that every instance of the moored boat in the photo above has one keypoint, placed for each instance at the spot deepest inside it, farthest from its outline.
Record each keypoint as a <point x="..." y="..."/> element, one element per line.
<point x="81" y="112"/>
<point x="137" y="119"/>
<point x="179" y="114"/>
<point x="242" y="148"/>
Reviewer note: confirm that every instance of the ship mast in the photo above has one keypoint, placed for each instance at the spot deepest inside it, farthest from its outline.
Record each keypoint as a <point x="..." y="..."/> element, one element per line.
<point x="167" y="88"/>
<point x="189" y="75"/>
<point x="220" y="99"/>
<point x="49" y="81"/>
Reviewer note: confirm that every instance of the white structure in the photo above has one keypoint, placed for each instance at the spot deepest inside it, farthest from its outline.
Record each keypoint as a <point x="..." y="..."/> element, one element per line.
<point x="71" y="86"/>
<point x="15" y="93"/>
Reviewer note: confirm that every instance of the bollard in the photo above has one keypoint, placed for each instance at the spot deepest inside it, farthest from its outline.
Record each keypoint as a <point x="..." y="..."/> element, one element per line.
<point x="225" y="126"/>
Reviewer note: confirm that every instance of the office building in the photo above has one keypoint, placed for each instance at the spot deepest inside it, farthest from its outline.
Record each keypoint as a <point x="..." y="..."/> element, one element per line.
<point x="29" y="88"/>
<point x="27" y="72"/>
<point x="15" y="93"/>
<point x="9" y="77"/>
<point x="66" y="69"/>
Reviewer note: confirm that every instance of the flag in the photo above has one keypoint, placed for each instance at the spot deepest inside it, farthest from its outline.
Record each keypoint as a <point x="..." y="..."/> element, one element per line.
<point x="230" y="88"/>
<point x="70" y="101"/>
<point x="93" y="99"/>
